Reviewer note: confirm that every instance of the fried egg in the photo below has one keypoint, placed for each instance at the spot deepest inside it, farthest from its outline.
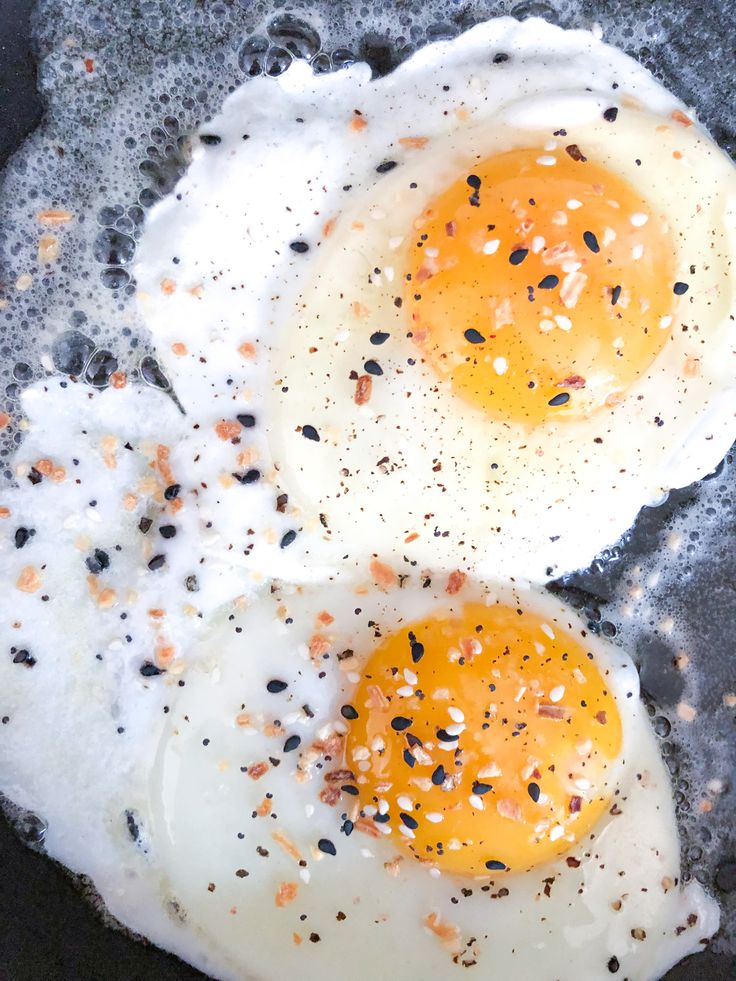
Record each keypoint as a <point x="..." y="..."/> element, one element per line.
<point x="481" y="309"/>
<point x="417" y="780"/>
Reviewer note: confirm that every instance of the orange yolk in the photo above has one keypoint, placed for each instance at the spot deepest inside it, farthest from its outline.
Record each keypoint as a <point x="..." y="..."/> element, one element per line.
<point x="540" y="284"/>
<point x="483" y="742"/>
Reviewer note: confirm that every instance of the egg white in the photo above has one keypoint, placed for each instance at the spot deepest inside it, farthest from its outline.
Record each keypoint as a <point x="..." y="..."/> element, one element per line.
<point x="506" y="500"/>
<point x="207" y="832"/>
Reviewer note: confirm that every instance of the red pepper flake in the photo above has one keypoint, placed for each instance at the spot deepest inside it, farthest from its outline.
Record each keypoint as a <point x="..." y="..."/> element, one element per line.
<point x="363" y="389"/>
<point x="286" y="893"/>
<point x="450" y="229"/>
<point x="414" y="142"/>
<point x="575" y="804"/>
<point x="557" y="712"/>
<point x="572" y="381"/>
<point x="256" y="771"/>
<point x="455" y="582"/>
<point x="574" y="151"/>
<point x="227" y="429"/>
<point x="679" y="117"/>
<point x="572" y="862"/>
<point x="601" y="717"/>
<point x="383" y="575"/>
<point x="89" y="65"/>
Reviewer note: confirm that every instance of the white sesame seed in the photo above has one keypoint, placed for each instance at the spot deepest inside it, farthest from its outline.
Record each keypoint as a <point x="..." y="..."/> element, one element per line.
<point x="578" y="676"/>
<point x="637" y="252"/>
<point x="546" y="325"/>
<point x="557" y="693"/>
<point x="556" y="833"/>
<point x="665" y="322"/>
<point x="406" y="691"/>
<point x="395" y="242"/>
<point x="476" y="802"/>
<point x="378" y="745"/>
<point x="405" y="803"/>
<point x="366" y="853"/>
<point x="547" y="631"/>
<point x="406" y="832"/>
<point x="584" y="748"/>
<point x="410" y="677"/>
<point x="383" y="806"/>
<point x="388" y="272"/>
<point x="456" y="714"/>
<point x="369" y="810"/>
<point x="564" y="323"/>
<point x="618" y="343"/>
<point x="435" y="873"/>
<point x="309" y="810"/>
<point x="451" y="747"/>
<point x="455" y="729"/>
<point x="305" y="875"/>
<point x="550" y="145"/>
<point x="538" y="243"/>
<point x="490" y="248"/>
<point x="432" y="253"/>
<point x="361" y="753"/>
<point x="353" y="677"/>
<point x="434" y="817"/>
<point x="582" y="784"/>
<point x="638" y="219"/>
<point x="491" y="770"/>
<point x="520" y="694"/>
<point x="573" y="204"/>
<point x="500" y="366"/>
<point x="608" y="236"/>
<point x="546" y="161"/>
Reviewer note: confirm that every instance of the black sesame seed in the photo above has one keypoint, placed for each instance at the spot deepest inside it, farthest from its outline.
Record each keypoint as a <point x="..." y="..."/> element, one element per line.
<point x="144" y="525"/>
<point x="445" y="737"/>
<point x="348" y="712"/>
<point x="249" y="477"/>
<point x="591" y="241"/>
<point x="34" y="476"/>
<point x="408" y="821"/>
<point x="246" y="420"/>
<point x="500" y="58"/>
<point x="438" y="777"/>
<point x="474" y="181"/>
<point x="149" y="670"/>
<point x="408" y="758"/>
<point x="23" y="656"/>
<point x="309" y="432"/>
<point x="210" y="139"/>
<point x="383" y="168"/>
<point x="347" y="828"/>
<point x="679" y="288"/>
<point x="494" y="866"/>
<point x="481" y="788"/>
<point x="275" y="686"/>
<point x="157" y="562"/>
<point x="517" y="256"/>
<point x="613" y="965"/>
<point x="167" y="531"/>
<point x="379" y="337"/>
<point x="172" y="491"/>
<point x="548" y="283"/>
<point x="350" y="789"/>
<point x="97" y="561"/>
<point x="560" y="399"/>
<point x="474" y="336"/>
<point x="615" y="294"/>
<point x="610" y="114"/>
<point x="533" y="791"/>
<point x="373" y="368"/>
<point x="21" y="537"/>
<point x="399" y="723"/>
<point x="299" y="247"/>
<point x="381" y="818"/>
<point x="288" y="538"/>
<point x="292" y="743"/>
<point x="326" y="846"/>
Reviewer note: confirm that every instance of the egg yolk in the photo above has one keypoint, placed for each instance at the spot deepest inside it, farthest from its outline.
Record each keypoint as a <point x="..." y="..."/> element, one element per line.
<point x="484" y="741"/>
<point x="540" y="285"/>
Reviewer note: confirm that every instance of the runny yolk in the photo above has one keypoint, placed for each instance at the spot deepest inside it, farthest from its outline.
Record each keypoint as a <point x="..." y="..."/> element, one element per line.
<point x="483" y="742"/>
<point x="540" y="285"/>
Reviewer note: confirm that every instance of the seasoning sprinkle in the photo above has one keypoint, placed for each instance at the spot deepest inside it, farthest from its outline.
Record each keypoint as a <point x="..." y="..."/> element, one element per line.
<point x="560" y="399"/>
<point x="591" y="241"/>
<point x="548" y="283"/>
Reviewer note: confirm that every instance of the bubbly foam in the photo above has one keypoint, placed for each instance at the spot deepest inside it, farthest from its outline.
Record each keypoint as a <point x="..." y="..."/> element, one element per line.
<point x="125" y="87"/>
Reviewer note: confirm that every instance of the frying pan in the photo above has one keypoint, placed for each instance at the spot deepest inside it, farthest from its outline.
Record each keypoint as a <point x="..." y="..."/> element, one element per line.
<point x="48" y="930"/>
